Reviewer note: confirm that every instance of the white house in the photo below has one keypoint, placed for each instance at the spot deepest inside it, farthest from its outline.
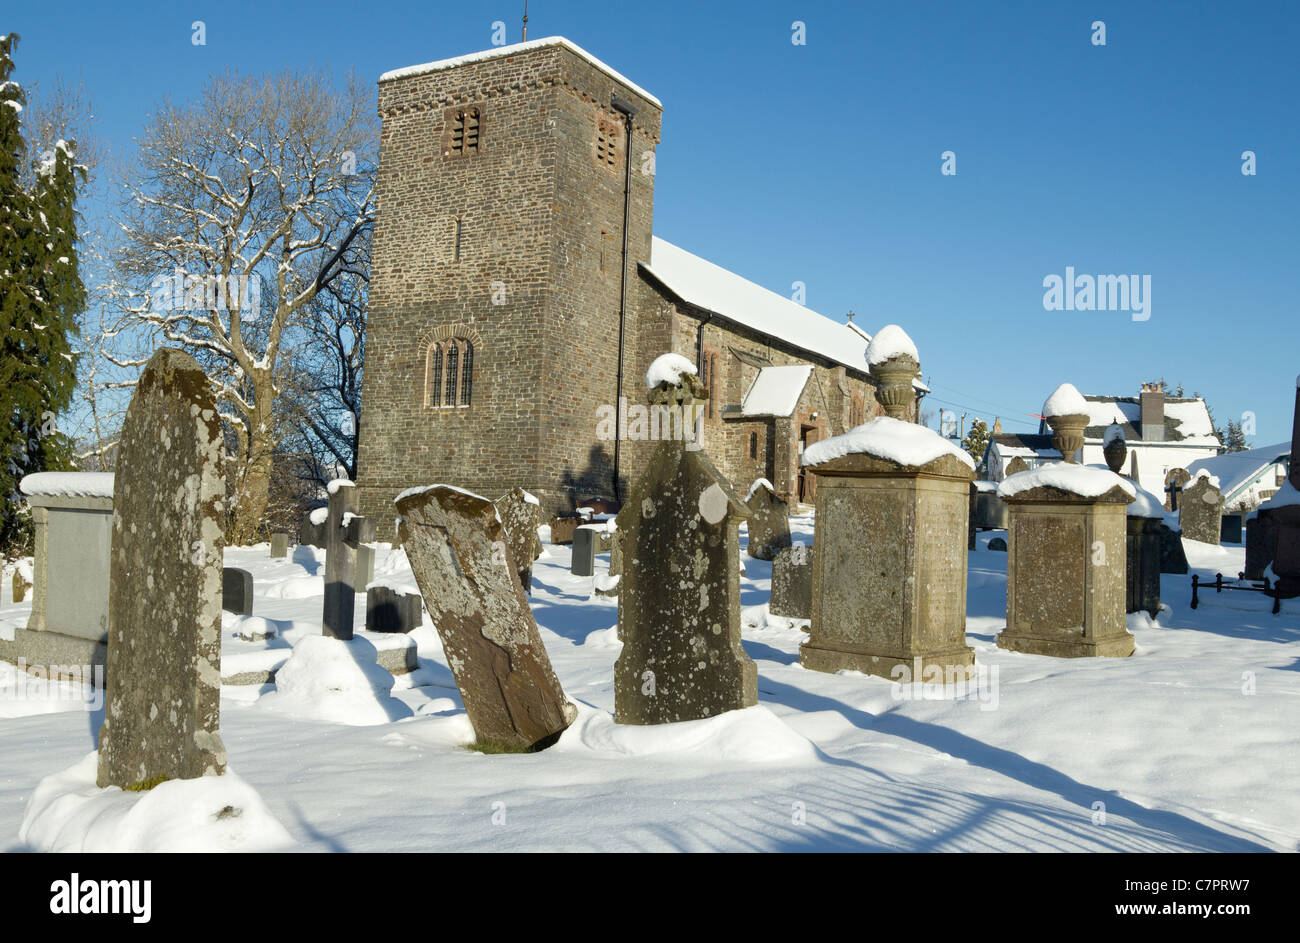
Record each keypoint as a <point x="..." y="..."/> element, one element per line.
<point x="1248" y="478"/>
<point x="1165" y="432"/>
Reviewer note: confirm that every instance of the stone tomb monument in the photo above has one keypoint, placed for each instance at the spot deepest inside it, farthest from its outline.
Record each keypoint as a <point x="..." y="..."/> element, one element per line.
<point x="511" y="694"/>
<point x="1066" y="559"/>
<point x="679" y="593"/>
<point x="889" y="558"/>
<point x="72" y="518"/>
<point x="769" y="522"/>
<point x="162" y="714"/>
<point x="1200" y="509"/>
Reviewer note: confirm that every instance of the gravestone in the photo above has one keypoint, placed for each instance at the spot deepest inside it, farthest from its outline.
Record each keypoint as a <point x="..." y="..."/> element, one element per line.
<point x="1200" y="510"/>
<point x="1066" y="549"/>
<point x="279" y="546"/>
<point x="1173" y="557"/>
<point x="1175" y="481"/>
<point x="1231" y="528"/>
<point x="345" y="532"/>
<point x="236" y="591"/>
<point x="1016" y="466"/>
<point x="453" y="540"/>
<point x="998" y="544"/>
<point x="311" y="532"/>
<point x="519" y="513"/>
<point x="162" y="715"/>
<point x="769" y="522"/>
<point x="391" y="610"/>
<point x="1283" y="512"/>
<point x="585" y="538"/>
<point x="1261" y="543"/>
<point x="792" y="583"/>
<point x="365" y="568"/>
<point x="679" y="593"/>
<point x="562" y="529"/>
<point x="20" y="586"/>
<point x="1145" y="518"/>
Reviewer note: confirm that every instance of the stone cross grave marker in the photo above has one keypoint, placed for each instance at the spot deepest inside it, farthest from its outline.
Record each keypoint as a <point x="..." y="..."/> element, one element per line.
<point x="162" y="716"/>
<point x="345" y="531"/>
<point x="457" y="546"/>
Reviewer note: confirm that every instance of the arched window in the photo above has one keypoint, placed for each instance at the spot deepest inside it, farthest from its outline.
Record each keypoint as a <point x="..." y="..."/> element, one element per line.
<point x="449" y="373"/>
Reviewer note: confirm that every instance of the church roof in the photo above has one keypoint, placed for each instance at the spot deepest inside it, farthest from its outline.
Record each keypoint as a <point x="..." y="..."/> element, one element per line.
<point x="514" y="49"/>
<point x="704" y="285"/>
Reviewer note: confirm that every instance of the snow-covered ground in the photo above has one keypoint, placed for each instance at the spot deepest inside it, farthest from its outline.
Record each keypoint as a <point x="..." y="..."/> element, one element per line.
<point x="1192" y="744"/>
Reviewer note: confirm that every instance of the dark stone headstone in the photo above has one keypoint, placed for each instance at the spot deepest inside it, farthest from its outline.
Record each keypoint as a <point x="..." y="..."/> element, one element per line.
<point x="998" y="544"/>
<point x="769" y="522"/>
<point x="1261" y="544"/>
<point x="162" y="716"/>
<point x="453" y="540"/>
<point x="1173" y="559"/>
<point x="390" y="610"/>
<point x="310" y="533"/>
<point x="1142" y="565"/>
<point x="237" y="591"/>
<point x="583" y="562"/>
<point x="345" y="532"/>
<point x="792" y="583"/>
<point x="1231" y="528"/>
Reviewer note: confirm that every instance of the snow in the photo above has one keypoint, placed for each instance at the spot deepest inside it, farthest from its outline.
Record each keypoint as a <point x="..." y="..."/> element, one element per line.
<point x="891" y="341"/>
<point x="1065" y="401"/>
<point x="1182" y="757"/>
<point x="423" y="489"/>
<point x="333" y="680"/>
<point x="68" y="484"/>
<point x="338" y="483"/>
<point x="68" y="812"/>
<point x="530" y="498"/>
<point x="1193" y="421"/>
<point x="1083" y="480"/>
<point x="713" y="288"/>
<point x="1287" y="496"/>
<point x="1147" y="504"/>
<point x="775" y="390"/>
<point x="1236" y="469"/>
<point x="667" y="368"/>
<point x="318" y="516"/>
<point x="758" y="483"/>
<point x="1205" y="473"/>
<point x="903" y="442"/>
<point x="1113" y="431"/>
<point x="515" y="49"/>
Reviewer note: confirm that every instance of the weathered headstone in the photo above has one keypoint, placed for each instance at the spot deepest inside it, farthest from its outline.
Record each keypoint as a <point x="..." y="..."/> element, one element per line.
<point x="453" y="540"/>
<point x="1173" y="557"/>
<point x="562" y="529"/>
<point x="1261" y="543"/>
<point x="679" y="594"/>
<point x="365" y="568"/>
<point x="311" y="532"/>
<point x="769" y="522"/>
<point x="162" y="716"/>
<point x="1175" y="481"/>
<point x="1066" y="559"/>
<point x="345" y="532"/>
<point x="236" y="591"/>
<point x="792" y="583"/>
<point x="1016" y="466"/>
<point x="1200" y="510"/>
<point x="519" y="512"/>
<point x="20" y="585"/>
<point x="1145" y="518"/>
<point x="279" y="546"/>
<point x="391" y="610"/>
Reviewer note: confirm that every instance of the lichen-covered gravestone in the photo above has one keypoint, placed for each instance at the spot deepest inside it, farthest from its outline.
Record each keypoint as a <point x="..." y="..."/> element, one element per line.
<point x="456" y="544"/>
<point x="520" y="513"/>
<point x="1200" y="510"/>
<point x="769" y="523"/>
<point x="164" y="620"/>
<point x="792" y="584"/>
<point x="679" y="593"/>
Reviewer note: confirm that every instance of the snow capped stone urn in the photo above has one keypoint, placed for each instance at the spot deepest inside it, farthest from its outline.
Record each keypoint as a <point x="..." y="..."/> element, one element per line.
<point x="1066" y="411"/>
<point x="893" y="363"/>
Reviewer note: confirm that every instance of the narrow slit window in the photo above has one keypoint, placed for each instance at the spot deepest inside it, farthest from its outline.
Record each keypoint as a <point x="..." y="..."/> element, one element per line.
<point x="449" y="398"/>
<point x="435" y="375"/>
<point x="459" y="230"/>
<point x="466" y="374"/>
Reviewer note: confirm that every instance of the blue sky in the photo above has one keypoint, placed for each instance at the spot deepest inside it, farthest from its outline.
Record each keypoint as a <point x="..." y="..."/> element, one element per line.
<point x="821" y="163"/>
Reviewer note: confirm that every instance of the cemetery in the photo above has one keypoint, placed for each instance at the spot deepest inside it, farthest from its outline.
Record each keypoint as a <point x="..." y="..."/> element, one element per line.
<point x="625" y="552"/>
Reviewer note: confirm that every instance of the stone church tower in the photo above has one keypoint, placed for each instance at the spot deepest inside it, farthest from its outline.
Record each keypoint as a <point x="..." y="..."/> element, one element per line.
<point x="509" y="182"/>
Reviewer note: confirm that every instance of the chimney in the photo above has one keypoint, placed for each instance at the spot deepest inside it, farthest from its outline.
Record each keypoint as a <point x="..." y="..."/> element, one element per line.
<point x="1153" y="413"/>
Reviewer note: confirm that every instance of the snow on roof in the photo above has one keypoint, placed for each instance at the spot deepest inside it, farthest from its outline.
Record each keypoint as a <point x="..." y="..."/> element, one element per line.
<point x="1083" y="480"/>
<point x="891" y="341"/>
<point x="737" y="299"/>
<point x="893" y="439"/>
<point x="1187" y="420"/>
<point x="667" y="368"/>
<point x="776" y="390"/>
<point x="1065" y="401"/>
<point x="68" y="484"/>
<point x="515" y="49"/>
<point x="1287" y="496"/>
<point x="1238" y="469"/>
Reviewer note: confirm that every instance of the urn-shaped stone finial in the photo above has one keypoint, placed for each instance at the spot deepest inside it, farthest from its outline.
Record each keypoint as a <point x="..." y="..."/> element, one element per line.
<point x="1114" y="448"/>
<point x="1066" y="411"/>
<point x="894" y="363"/>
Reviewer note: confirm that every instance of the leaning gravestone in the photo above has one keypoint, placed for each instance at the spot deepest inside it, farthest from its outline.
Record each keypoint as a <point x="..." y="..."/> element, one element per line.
<point x="1200" y="510"/>
<point x="236" y="591"/>
<point x="519" y="512"/>
<point x="679" y="594"/>
<point x="769" y="523"/>
<point x="792" y="584"/>
<point x="454" y="541"/>
<point x="164" y="621"/>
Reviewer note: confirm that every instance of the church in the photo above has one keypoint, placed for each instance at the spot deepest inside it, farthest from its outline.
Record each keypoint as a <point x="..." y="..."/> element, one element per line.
<point x="518" y="294"/>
